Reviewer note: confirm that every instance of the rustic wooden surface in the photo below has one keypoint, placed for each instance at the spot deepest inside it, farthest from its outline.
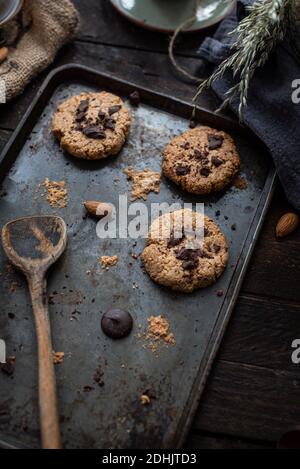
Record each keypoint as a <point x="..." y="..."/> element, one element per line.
<point x="252" y="396"/>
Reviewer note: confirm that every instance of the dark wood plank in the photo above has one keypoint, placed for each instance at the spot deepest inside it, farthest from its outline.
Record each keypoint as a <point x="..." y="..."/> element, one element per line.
<point x="249" y="402"/>
<point x="274" y="269"/>
<point x="261" y="333"/>
<point x="203" y="440"/>
<point x="101" y="24"/>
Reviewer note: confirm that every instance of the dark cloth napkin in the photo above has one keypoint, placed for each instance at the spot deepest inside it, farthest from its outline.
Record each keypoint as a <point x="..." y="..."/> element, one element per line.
<point x="270" y="113"/>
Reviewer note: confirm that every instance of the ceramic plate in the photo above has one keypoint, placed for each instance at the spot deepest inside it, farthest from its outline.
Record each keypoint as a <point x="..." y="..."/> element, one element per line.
<point x="8" y="9"/>
<point x="167" y="15"/>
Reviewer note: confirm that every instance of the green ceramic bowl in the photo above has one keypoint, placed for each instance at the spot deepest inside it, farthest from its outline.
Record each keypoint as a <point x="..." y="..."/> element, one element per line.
<point x="167" y="15"/>
<point x="9" y="9"/>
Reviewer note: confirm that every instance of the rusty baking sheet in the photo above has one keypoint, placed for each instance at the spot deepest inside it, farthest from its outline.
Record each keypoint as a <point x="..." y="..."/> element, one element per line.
<point x="111" y="415"/>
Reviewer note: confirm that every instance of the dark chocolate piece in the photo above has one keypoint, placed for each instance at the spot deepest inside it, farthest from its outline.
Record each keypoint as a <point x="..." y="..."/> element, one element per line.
<point x="113" y="109"/>
<point x="116" y="323"/>
<point x="135" y="98"/>
<point x="185" y="254"/>
<point x="215" y="141"/>
<point x="83" y="106"/>
<point x="205" y="171"/>
<point x="182" y="170"/>
<point x="93" y="131"/>
<point x="109" y="124"/>
<point x="199" y="154"/>
<point x="101" y="115"/>
<point x="80" y="116"/>
<point x="190" y="265"/>
<point x="174" y="241"/>
<point x="216" y="161"/>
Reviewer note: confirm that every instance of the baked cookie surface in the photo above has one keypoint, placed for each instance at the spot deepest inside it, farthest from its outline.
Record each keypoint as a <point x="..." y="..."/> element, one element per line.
<point x="201" y="160"/>
<point x="92" y="125"/>
<point x="182" y="262"/>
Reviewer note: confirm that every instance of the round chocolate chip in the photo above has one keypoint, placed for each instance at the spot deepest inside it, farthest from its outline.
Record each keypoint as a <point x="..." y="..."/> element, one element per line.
<point x="216" y="161"/>
<point x="205" y="172"/>
<point x="117" y="323"/>
<point x="182" y="170"/>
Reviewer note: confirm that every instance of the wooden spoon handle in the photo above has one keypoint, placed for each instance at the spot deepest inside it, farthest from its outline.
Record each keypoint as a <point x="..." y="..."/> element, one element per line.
<point x="49" y="418"/>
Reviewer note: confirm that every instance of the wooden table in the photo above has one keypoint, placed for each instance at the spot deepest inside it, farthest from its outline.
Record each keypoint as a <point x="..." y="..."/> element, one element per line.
<point x="252" y="396"/>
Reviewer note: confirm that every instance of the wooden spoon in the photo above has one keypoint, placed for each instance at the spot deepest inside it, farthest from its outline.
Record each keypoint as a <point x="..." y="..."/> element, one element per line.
<point x="33" y="244"/>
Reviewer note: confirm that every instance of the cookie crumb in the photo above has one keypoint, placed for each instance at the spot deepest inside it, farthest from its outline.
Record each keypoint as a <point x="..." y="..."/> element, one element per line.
<point x="159" y="331"/>
<point x="57" y="194"/>
<point x="99" y="377"/>
<point x="220" y="293"/>
<point x="108" y="261"/>
<point x="143" y="182"/>
<point x="58" y="358"/>
<point x="239" y="182"/>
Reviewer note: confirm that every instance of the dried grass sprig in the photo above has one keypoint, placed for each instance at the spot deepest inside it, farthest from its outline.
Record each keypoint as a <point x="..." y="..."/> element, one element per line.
<point x="256" y="36"/>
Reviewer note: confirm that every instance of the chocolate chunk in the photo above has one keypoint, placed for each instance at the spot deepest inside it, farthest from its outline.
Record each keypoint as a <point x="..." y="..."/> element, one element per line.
<point x="205" y="171"/>
<point x="83" y="106"/>
<point x="192" y="124"/>
<point x="117" y="323"/>
<point x="182" y="170"/>
<point x="101" y="115"/>
<point x="185" y="146"/>
<point x="93" y="131"/>
<point x="216" y="161"/>
<point x="80" y="116"/>
<point x="190" y="265"/>
<point x="113" y="109"/>
<point x="200" y="155"/>
<point x="206" y="232"/>
<point x="109" y="124"/>
<point x="174" y="241"/>
<point x="215" y="141"/>
<point x="185" y="254"/>
<point x="135" y="98"/>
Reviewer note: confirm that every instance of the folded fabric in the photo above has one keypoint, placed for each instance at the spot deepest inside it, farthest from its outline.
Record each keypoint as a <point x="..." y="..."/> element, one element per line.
<point x="41" y="29"/>
<point x="271" y="113"/>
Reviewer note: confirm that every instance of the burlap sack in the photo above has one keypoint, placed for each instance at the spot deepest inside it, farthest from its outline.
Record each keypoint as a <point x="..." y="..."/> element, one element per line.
<point x="41" y="28"/>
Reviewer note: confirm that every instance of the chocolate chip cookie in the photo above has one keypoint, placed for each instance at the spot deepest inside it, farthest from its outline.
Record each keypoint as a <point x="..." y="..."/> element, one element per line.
<point x="182" y="262"/>
<point x="92" y="126"/>
<point x="201" y="160"/>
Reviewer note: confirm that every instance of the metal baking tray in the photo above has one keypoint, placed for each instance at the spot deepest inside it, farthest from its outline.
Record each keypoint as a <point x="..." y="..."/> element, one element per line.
<point x="111" y="416"/>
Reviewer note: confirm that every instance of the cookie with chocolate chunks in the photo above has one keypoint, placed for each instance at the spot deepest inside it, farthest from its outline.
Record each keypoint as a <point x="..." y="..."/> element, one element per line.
<point x="174" y="260"/>
<point x="92" y="126"/>
<point x="210" y="156"/>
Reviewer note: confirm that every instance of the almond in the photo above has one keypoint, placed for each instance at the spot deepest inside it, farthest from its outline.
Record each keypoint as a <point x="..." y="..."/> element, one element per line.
<point x="3" y="54"/>
<point x="287" y="224"/>
<point x="98" y="209"/>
